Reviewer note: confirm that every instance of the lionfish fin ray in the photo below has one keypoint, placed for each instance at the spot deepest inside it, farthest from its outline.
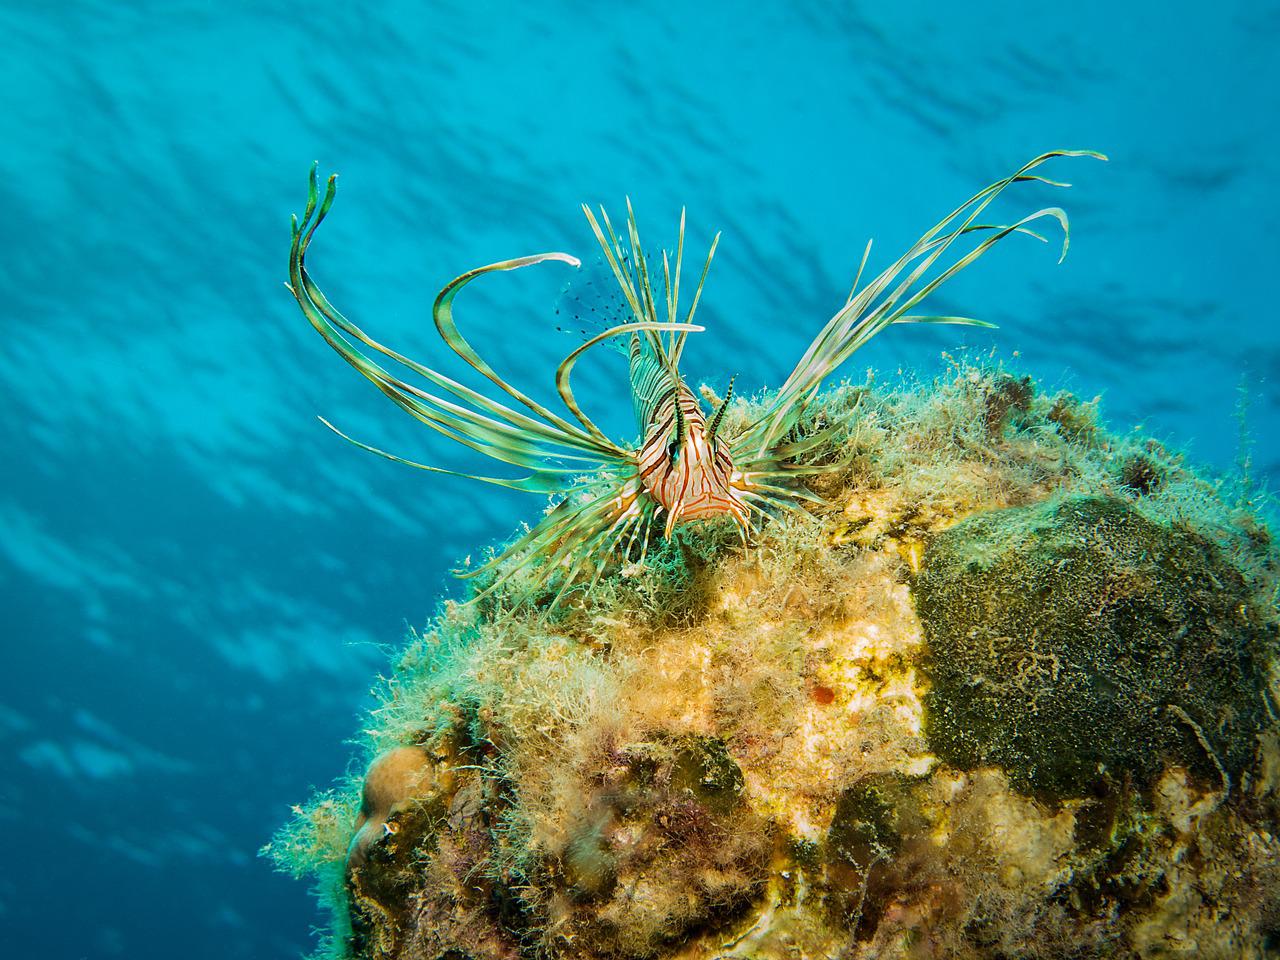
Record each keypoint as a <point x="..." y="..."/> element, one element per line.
<point x="442" y="312"/>
<point x="541" y="482"/>
<point x="877" y="305"/>
<point x="697" y="296"/>
<point x="514" y="431"/>
<point x="567" y="364"/>
<point x="857" y="277"/>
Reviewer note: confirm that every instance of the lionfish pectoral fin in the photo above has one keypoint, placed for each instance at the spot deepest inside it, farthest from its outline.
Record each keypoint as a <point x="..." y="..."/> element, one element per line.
<point x="892" y="294"/>
<point x="469" y="418"/>
<point x="742" y="522"/>
<point x="541" y="481"/>
<point x="575" y="535"/>
<point x="599" y="508"/>
<point x="857" y="277"/>
<point x="442" y="313"/>
<point x="958" y="321"/>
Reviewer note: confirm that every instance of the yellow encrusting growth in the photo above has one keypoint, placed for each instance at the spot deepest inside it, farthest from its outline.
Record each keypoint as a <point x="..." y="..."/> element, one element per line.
<point x="742" y="752"/>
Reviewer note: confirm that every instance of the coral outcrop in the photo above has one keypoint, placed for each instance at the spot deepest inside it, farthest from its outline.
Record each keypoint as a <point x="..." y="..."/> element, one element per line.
<point x="1076" y="640"/>
<point x="1013" y="694"/>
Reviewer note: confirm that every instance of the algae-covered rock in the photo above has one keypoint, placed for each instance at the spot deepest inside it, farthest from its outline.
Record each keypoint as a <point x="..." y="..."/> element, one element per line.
<point x="1076" y="640"/>
<point x="658" y="840"/>
<point x="1010" y="694"/>
<point x="394" y="779"/>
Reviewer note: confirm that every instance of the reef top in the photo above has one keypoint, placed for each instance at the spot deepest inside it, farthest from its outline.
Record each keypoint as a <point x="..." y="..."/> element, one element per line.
<point x="1010" y="691"/>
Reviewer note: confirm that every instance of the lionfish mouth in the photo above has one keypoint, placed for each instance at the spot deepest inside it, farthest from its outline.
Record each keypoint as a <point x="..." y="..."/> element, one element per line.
<point x="697" y="482"/>
<point x="681" y="469"/>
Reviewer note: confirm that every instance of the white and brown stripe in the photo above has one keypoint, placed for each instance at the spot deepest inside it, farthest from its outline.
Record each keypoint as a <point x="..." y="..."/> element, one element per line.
<point x="695" y="480"/>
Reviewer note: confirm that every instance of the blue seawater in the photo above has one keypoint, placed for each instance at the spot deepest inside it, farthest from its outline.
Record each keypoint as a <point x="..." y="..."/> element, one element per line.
<point x="198" y="583"/>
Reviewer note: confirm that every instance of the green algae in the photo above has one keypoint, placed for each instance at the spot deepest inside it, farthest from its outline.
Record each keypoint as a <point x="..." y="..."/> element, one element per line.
<point x="387" y="883"/>
<point x="865" y="827"/>
<point x="1077" y="639"/>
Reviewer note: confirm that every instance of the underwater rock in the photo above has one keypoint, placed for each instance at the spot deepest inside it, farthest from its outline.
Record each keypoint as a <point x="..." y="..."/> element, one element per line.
<point x="1076" y="640"/>
<point x="1002" y="698"/>
<point x="393" y="778"/>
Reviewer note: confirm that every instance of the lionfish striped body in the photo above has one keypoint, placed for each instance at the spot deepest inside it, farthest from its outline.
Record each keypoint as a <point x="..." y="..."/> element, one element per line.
<point x="684" y="466"/>
<point x="681" y="469"/>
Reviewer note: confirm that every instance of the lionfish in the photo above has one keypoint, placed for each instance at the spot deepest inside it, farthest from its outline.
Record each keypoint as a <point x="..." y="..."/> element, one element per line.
<point x="682" y="467"/>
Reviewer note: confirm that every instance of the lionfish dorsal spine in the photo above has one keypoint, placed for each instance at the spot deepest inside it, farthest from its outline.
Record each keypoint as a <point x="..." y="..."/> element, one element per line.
<point x="714" y="428"/>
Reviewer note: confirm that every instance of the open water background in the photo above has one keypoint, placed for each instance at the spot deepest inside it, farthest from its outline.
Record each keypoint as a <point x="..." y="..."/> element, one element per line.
<point x="199" y="584"/>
